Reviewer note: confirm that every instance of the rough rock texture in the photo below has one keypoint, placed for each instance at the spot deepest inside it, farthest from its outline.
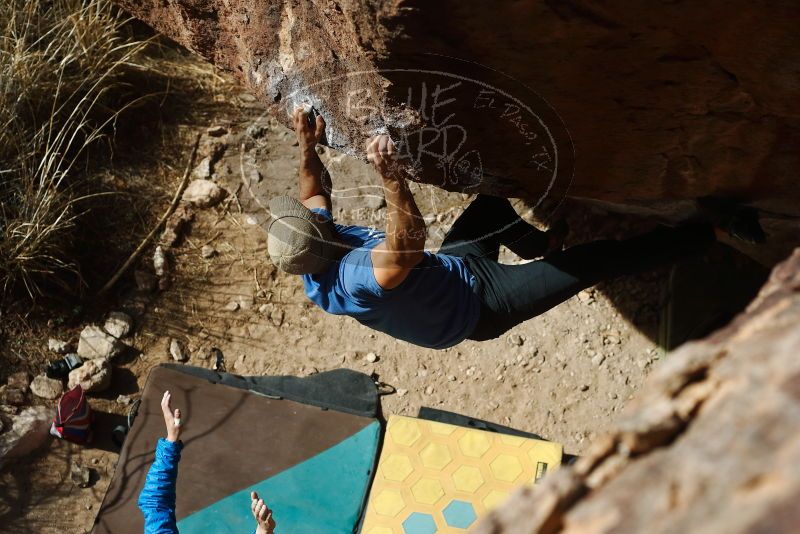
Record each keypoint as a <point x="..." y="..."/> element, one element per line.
<point x="118" y="324"/>
<point x="97" y="343"/>
<point x="710" y="444"/>
<point x="29" y="431"/>
<point x="662" y="102"/>
<point x="93" y="376"/>
<point x="47" y="388"/>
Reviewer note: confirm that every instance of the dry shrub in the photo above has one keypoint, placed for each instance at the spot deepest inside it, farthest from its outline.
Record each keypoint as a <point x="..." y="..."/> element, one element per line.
<point x="63" y="66"/>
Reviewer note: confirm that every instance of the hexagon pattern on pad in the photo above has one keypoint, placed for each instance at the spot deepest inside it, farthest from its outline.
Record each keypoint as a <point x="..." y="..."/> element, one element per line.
<point x="438" y="478"/>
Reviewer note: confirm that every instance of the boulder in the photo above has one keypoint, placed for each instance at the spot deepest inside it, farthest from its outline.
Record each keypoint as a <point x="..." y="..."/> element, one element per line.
<point x="97" y="343"/>
<point x="47" y="388"/>
<point x="29" y="431"/>
<point x="203" y="193"/>
<point x="93" y="376"/>
<point x="707" y="444"/>
<point x="119" y="324"/>
<point x="638" y="107"/>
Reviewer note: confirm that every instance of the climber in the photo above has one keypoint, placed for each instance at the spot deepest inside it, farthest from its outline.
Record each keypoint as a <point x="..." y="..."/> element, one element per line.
<point x="157" y="499"/>
<point x="388" y="282"/>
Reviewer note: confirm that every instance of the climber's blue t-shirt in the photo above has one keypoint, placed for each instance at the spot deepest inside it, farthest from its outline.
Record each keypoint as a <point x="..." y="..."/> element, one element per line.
<point x="435" y="306"/>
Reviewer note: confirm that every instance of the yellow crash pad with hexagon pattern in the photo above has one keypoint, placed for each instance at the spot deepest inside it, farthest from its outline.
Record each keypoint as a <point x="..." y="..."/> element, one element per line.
<point x="438" y="478"/>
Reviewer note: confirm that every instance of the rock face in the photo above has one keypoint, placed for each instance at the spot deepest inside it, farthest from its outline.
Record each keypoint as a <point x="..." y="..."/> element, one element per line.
<point x="707" y="445"/>
<point x="639" y="105"/>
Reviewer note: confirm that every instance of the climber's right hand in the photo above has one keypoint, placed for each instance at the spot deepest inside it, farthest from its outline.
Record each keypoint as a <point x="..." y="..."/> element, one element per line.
<point x="307" y="135"/>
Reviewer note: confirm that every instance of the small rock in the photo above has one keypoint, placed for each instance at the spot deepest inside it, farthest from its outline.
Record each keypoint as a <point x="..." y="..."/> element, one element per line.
<point x="124" y="400"/>
<point x="429" y="390"/>
<point x="203" y="193"/>
<point x="232" y="306"/>
<point x="264" y="309"/>
<point x="276" y="316"/>
<point x="177" y="351"/>
<point x="93" y="376"/>
<point x="401" y="392"/>
<point x="119" y="324"/>
<point x="451" y="378"/>
<point x="256" y="131"/>
<point x="208" y="252"/>
<point x="516" y="340"/>
<point x="97" y="343"/>
<point x="47" y="388"/>
<point x="216" y="131"/>
<point x="57" y="346"/>
<point x="598" y="359"/>
<point x="584" y="387"/>
<point x="29" y="431"/>
<point x="80" y="475"/>
<point x="252" y="221"/>
<point x="204" y="169"/>
<point x="311" y="371"/>
<point x="371" y="357"/>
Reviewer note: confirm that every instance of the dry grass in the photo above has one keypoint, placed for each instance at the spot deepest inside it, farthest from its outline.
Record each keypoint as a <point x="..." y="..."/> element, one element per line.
<point x="63" y="68"/>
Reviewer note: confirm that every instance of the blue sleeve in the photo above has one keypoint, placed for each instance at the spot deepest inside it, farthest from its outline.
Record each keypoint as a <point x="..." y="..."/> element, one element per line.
<point x="157" y="499"/>
<point x="358" y="277"/>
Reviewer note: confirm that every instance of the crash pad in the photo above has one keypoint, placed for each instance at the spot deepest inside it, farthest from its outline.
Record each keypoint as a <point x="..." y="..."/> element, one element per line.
<point x="434" y="477"/>
<point x="311" y="464"/>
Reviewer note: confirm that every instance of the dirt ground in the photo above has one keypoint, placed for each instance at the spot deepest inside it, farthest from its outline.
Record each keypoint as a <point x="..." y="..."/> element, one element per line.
<point x="562" y="375"/>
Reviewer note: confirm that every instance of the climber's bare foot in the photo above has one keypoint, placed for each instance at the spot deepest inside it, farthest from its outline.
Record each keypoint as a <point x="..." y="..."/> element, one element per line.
<point x="262" y="515"/>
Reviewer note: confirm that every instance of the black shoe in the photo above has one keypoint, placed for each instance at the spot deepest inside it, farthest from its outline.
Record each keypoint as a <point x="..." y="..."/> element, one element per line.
<point x="59" y="369"/>
<point x="738" y="221"/>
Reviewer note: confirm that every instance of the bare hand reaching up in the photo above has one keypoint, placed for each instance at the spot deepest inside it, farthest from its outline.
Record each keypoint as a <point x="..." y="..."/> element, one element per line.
<point x="262" y="514"/>
<point x="171" y="418"/>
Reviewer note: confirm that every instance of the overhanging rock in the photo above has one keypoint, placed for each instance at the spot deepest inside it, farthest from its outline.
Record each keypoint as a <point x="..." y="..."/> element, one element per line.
<point x="709" y="444"/>
<point x="640" y="105"/>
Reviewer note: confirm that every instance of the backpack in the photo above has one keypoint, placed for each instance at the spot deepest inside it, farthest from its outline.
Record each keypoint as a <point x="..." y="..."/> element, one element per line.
<point x="73" y="418"/>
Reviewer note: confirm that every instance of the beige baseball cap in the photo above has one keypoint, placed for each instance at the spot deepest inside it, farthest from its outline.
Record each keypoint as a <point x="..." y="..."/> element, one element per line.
<point x="300" y="241"/>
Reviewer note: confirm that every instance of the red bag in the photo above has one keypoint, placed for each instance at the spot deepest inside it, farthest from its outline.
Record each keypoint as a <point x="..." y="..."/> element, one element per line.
<point x="73" y="417"/>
